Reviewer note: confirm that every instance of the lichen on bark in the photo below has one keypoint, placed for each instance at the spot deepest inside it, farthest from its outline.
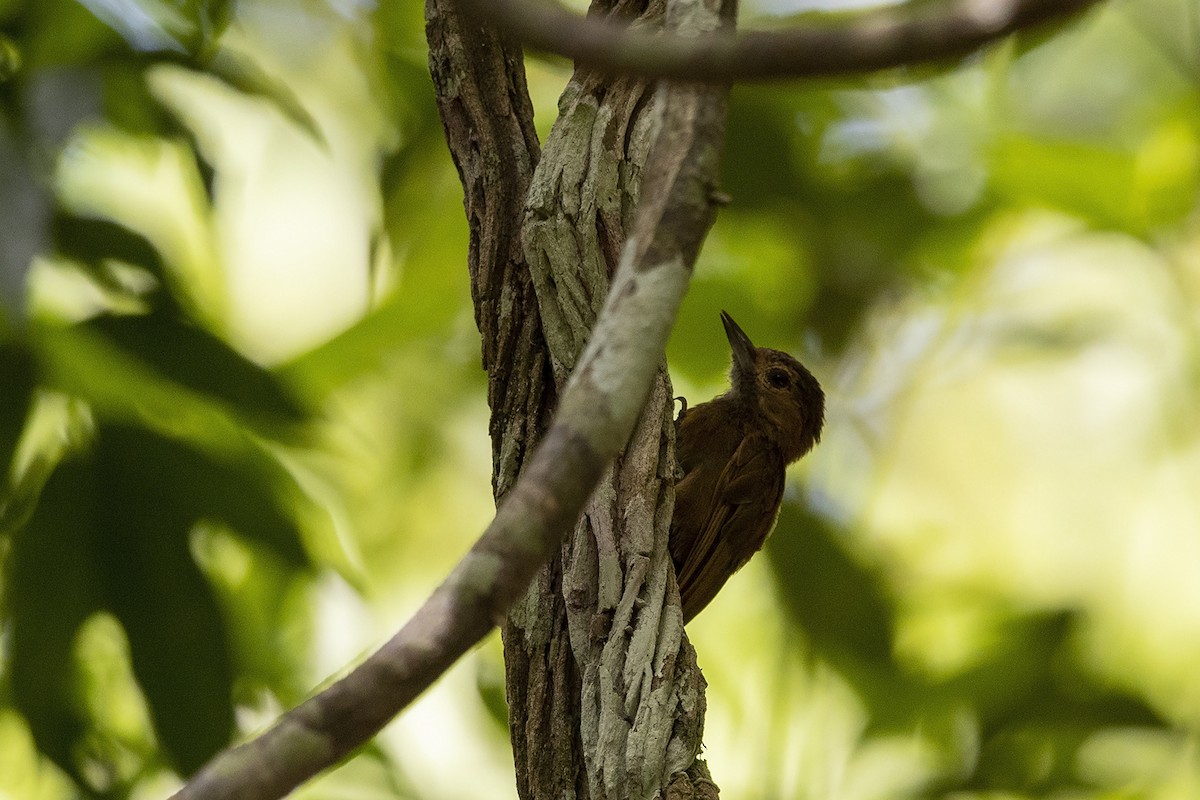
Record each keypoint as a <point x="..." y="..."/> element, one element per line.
<point x="635" y="705"/>
<point x="604" y="694"/>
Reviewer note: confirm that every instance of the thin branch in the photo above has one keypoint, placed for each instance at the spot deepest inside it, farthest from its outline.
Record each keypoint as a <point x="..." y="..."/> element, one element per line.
<point x="600" y="405"/>
<point x="867" y="41"/>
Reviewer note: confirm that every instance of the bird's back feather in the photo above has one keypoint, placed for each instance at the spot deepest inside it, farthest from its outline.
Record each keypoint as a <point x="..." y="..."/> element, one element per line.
<point x="726" y="505"/>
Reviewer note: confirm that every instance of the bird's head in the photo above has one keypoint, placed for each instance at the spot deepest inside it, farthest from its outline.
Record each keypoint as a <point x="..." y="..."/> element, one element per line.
<point x="778" y="390"/>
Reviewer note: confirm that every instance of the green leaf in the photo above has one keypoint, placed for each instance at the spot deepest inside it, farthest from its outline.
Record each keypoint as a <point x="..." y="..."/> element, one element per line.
<point x="1036" y="749"/>
<point x="1059" y="689"/>
<point x="10" y="58"/>
<point x="213" y="17"/>
<point x="58" y="33"/>
<point x="241" y="488"/>
<point x="270" y="622"/>
<point x="198" y="24"/>
<point x="759" y="122"/>
<point x="18" y="376"/>
<point x="357" y="351"/>
<point x="243" y="74"/>
<point x="194" y="25"/>
<point x="195" y="358"/>
<point x="93" y="241"/>
<point x="1017" y="668"/>
<point x="836" y="600"/>
<point x="177" y="637"/>
<point x="127" y="101"/>
<point x="1095" y="182"/>
<point x="113" y="531"/>
<point x="1038" y="759"/>
<point x="50" y="591"/>
<point x="80" y="362"/>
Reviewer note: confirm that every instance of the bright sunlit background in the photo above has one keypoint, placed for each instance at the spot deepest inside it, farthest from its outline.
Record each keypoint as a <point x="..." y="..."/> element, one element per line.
<point x="986" y="581"/>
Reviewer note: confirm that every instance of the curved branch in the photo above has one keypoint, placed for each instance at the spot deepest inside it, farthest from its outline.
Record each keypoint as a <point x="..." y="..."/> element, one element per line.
<point x="869" y="41"/>
<point x="599" y="407"/>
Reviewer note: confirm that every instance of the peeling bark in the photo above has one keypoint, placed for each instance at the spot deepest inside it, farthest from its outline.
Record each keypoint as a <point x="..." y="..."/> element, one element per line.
<point x="488" y="119"/>
<point x="575" y="218"/>
<point x="636" y="704"/>
<point x="605" y="699"/>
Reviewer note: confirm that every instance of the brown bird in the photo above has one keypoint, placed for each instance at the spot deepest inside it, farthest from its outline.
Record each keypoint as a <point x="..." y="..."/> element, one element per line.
<point x="733" y="451"/>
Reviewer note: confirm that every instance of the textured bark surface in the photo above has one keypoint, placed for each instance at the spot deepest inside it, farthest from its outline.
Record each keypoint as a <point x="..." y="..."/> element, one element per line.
<point x="488" y="118"/>
<point x="585" y="191"/>
<point x="576" y="212"/>
<point x="628" y="723"/>
<point x="605" y="699"/>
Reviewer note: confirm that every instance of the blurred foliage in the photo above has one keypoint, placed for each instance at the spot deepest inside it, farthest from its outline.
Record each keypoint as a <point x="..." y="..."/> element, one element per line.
<point x="243" y="430"/>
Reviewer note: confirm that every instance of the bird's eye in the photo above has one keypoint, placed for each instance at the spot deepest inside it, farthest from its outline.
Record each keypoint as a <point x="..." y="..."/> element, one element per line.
<point x="778" y="378"/>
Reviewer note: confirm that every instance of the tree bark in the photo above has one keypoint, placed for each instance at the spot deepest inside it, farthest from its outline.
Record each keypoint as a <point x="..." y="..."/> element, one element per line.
<point x="488" y="119"/>
<point x="479" y="80"/>
<point x="605" y="698"/>
<point x="575" y="219"/>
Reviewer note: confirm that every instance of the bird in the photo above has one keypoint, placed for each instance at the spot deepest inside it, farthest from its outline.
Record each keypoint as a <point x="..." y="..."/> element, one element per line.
<point x="732" y="453"/>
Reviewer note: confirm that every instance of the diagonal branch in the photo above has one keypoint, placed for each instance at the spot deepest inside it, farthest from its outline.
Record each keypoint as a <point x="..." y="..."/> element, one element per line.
<point x="912" y="33"/>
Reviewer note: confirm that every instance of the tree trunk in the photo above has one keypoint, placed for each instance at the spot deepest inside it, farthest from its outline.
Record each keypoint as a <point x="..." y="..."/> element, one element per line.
<point x="605" y="698"/>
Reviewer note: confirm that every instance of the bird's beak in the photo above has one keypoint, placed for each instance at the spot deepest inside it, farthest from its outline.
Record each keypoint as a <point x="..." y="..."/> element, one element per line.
<point x="739" y="342"/>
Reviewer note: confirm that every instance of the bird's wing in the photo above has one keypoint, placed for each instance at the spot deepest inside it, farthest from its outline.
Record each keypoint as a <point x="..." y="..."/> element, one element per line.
<point x="745" y="502"/>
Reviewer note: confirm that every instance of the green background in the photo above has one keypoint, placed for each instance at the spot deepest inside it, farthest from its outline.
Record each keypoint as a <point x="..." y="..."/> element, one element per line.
<point x="241" y="396"/>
